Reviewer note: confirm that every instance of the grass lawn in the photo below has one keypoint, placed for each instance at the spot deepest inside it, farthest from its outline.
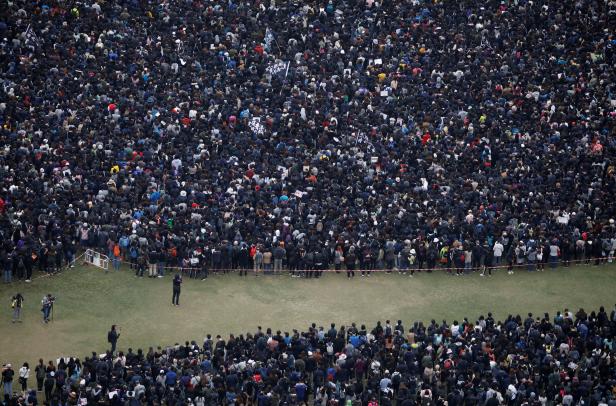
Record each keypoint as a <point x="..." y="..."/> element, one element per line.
<point x="89" y="301"/>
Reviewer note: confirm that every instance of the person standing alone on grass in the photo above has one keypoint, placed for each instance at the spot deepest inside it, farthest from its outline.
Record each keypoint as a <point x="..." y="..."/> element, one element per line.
<point x="112" y="338"/>
<point x="17" y="302"/>
<point x="177" y="285"/>
<point x="47" y="303"/>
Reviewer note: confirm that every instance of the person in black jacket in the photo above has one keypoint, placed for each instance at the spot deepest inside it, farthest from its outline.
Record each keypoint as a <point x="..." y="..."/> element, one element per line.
<point x="309" y="263"/>
<point x="152" y="262"/>
<point x="349" y="261"/>
<point x="112" y="337"/>
<point x="7" y="266"/>
<point x="177" y="284"/>
<point x="279" y="254"/>
<point x="204" y="260"/>
<point x="244" y="260"/>
<point x="142" y="262"/>
<point x="49" y="383"/>
<point x="318" y="263"/>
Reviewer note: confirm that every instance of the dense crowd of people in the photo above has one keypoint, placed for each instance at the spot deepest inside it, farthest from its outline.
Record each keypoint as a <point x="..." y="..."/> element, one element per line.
<point x="162" y="131"/>
<point x="365" y="135"/>
<point x="564" y="359"/>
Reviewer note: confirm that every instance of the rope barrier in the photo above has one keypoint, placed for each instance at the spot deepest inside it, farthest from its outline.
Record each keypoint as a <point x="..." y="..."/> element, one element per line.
<point x="47" y="275"/>
<point x="439" y="267"/>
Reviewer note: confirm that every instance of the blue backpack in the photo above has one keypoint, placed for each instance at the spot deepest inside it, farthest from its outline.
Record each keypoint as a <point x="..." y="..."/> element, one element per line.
<point x="124" y="242"/>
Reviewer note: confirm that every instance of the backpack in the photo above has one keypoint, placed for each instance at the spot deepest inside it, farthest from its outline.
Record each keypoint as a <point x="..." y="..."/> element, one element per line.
<point x="606" y="246"/>
<point x="109" y="336"/>
<point x="124" y="242"/>
<point x="116" y="250"/>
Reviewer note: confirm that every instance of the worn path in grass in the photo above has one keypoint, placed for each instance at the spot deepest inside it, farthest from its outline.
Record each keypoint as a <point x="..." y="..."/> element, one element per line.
<point x="89" y="301"/>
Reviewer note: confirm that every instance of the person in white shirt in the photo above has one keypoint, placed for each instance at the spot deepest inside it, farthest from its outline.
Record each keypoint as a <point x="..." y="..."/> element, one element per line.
<point x="24" y="374"/>
<point x="455" y="329"/>
<point x="554" y="254"/>
<point x="385" y="383"/>
<point x="498" y="252"/>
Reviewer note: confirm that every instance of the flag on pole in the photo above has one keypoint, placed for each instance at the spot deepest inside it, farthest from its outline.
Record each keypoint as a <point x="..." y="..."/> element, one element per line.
<point x="269" y="38"/>
<point x="278" y="68"/>
<point x="256" y="126"/>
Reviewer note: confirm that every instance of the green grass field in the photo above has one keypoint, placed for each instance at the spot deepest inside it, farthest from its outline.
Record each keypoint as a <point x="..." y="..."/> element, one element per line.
<point x="89" y="301"/>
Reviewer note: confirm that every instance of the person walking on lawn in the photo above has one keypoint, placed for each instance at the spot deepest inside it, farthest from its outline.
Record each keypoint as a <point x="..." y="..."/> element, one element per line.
<point x="17" y="302"/>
